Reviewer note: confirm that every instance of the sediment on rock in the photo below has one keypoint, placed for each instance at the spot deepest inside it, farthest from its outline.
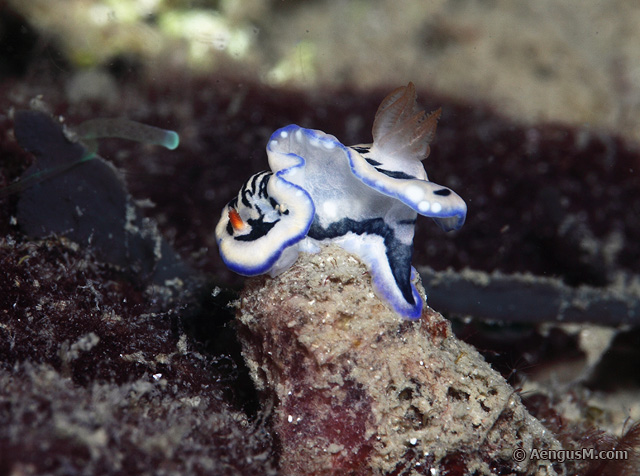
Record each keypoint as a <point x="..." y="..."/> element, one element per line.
<point x="357" y="390"/>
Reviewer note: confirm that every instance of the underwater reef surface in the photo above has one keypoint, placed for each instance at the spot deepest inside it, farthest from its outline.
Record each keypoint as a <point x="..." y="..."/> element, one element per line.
<point x="97" y="378"/>
<point x="357" y="391"/>
<point x="102" y="369"/>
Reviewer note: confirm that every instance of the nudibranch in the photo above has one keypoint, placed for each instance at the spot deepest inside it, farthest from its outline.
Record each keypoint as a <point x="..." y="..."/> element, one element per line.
<point x="365" y="198"/>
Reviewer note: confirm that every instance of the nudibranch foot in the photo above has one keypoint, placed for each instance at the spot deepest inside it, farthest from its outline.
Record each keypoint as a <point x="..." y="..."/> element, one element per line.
<point x="365" y="198"/>
<point x="387" y="258"/>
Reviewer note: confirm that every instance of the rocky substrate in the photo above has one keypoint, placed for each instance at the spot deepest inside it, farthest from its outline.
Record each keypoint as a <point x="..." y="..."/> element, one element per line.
<point x="357" y="390"/>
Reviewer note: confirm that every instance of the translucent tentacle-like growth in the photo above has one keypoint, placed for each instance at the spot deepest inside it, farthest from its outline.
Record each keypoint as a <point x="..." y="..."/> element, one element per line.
<point x="126" y="129"/>
<point x="88" y="133"/>
<point x="41" y="175"/>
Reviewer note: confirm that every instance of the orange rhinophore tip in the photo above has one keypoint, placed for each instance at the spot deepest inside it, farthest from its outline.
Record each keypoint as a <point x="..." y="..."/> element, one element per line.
<point x="236" y="221"/>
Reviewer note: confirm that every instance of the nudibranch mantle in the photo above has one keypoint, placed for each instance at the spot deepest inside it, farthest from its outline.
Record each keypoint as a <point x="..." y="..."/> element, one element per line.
<point x="365" y="198"/>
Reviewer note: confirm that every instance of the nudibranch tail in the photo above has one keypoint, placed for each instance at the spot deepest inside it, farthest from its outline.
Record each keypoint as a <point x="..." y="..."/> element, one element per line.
<point x="364" y="198"/>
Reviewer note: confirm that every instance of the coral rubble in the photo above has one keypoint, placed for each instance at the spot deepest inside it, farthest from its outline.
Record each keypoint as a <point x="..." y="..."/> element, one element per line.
<point x="357" y="390"/>
<point x="97" y="379"/>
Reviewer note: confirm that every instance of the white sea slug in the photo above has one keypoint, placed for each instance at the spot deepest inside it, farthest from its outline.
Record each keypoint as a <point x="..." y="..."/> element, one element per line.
<point x="365" y="198"/>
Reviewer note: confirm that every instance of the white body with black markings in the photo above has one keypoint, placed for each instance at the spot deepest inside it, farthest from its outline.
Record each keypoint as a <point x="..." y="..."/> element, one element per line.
<point x="364" y="198"/>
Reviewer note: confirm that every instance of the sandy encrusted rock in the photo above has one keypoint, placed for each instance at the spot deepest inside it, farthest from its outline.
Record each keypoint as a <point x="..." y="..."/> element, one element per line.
<point x="358" y="390"/>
